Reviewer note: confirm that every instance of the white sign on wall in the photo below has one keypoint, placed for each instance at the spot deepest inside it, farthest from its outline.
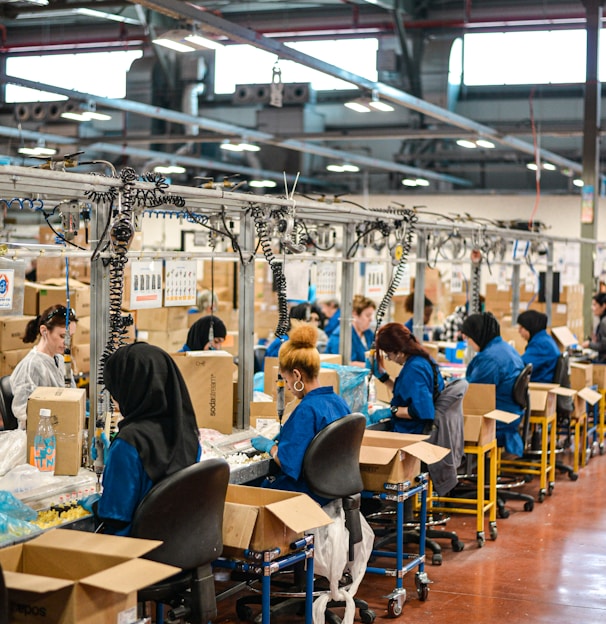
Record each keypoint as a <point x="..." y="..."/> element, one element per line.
<point x="7" y="285"/>
<point x="145" y="284"/>
<point x="180" y="287"/>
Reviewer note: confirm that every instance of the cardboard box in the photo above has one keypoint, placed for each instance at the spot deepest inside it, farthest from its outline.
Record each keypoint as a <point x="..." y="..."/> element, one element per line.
<point x="81" y="358"/>
<point x="82" y="334"/>
<point x="581" y="375"/>
<point x="584" y="396"/>
<point x="74" y="577"/>
<point x="38" y="297"/>
<point x="264" y="519"/>
<point x="209" y="377"/>
<point x="170" y="341"/>
<point x="327" y="377"/>
<point x="10" y="359"/>
<point x="162" y="319"/>
<point x="480" y="416"/>
<point x="599" y="375"/>
<point x="267" y="410"/>
<point x="544" y="397"/>
<point x="68" y="408"/>
<point x="389" y="457"/>
<point x="12" y="329"/>
<point x="564" y="337"/>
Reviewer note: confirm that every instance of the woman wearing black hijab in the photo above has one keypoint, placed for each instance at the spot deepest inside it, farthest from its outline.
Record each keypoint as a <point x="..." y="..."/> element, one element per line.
<point x="157" y="437"/>
<point x="498" y="363"/>
<point x="200" y="337"/>
<point x="541" y="351"/>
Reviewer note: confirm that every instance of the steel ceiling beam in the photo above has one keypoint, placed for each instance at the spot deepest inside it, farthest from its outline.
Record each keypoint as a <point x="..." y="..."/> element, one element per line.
<point x="214" y="24"/>
<point x="250" y="134"/>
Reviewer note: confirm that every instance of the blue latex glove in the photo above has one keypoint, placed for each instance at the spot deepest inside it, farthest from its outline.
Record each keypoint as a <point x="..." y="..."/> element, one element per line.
<point x="376" y="370"/>
<point x="378" y="415"/>
<point x="262" y="444"/>
<point x="93" y="450"/>
<point x="88" y="502"/>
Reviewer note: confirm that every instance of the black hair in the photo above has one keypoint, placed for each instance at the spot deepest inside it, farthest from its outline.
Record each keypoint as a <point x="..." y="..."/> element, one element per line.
<point x="52" y="317"/>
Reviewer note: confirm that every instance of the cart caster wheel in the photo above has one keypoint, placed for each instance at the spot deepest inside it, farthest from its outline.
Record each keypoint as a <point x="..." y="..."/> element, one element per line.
<point x="528" y="506"/>
<point x="550" y="488"/>
<point x="436" y="559"/>
<point x="423" y="592"/>
<point x="367" y="616"/>
<point x="457" y="545"/>
<point x="541" y="498"/>
<point x="480" y="539"/>
<point x="493" y="532"/>
<point x="503" y="513"/>
<point x="573" y="476"/>
<point x="394" y="608"/>
<point x="244" y="613"/>
<point x="601" y="449"/>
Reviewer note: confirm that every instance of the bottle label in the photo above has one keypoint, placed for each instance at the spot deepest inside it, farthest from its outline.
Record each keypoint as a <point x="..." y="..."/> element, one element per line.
<point x="44" y="453"/>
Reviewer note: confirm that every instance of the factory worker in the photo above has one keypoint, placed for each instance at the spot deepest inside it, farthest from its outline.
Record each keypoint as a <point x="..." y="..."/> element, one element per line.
<point x="44" y="364"/>
<point x="157" y="437"/>
<point x="332" y="313"/>
<point x="362" y="335"/>
<point x="199" y="335"/>
<point x="418" y="383"/>
<point x="597" y="342"/>
<point x="299" y="365"/>
<point x="541" y="350"/>
<point x="496" y="362"/>
<point x="427" y="312"/>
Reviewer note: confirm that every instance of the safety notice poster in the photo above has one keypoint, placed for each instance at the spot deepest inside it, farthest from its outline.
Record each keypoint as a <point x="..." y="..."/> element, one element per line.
<point x="145" y="284"/>
<point x="180" y="283"/>
<point x="7" y="284"/>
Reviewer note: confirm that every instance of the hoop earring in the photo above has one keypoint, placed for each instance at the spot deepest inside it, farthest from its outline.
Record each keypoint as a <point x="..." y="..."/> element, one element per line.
<point x="301" y="386"/>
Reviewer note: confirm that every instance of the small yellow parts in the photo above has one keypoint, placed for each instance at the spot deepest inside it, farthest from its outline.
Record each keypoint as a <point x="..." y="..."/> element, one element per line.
<point x="3" y="250"/>
<point x="51" y="517"/>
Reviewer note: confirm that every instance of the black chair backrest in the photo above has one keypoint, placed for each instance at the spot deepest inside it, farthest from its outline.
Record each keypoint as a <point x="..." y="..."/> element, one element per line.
<point x="561" y="376"/>
<point x="185" y="511"/>
<point x="6" y="403"/>
<point x="331" y="465"/>
<point x="521" y="395"/>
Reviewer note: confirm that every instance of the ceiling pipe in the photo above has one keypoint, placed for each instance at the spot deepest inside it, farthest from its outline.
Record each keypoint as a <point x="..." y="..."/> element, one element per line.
<point x="219" y="26"/>
<point x="239" y="131"/>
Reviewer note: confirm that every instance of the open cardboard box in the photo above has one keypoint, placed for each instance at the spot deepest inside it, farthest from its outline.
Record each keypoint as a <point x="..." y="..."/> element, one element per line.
<point x="564" y="337"/>
<point x="389" y="457"/>
<point x="480" y="415"/>
<point x="544" y="397"/>
<point x="581" y="375"/>
<point x="74" y="577"/>
<point x="264" y="519"/>
<point x="584" y="396"/>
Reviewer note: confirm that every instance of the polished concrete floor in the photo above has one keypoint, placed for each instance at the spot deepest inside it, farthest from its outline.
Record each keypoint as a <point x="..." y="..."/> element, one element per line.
<point x="548" y="565"/>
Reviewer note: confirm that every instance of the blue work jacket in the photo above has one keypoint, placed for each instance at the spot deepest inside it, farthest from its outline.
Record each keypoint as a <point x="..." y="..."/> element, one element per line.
<point x="543" y="353"/>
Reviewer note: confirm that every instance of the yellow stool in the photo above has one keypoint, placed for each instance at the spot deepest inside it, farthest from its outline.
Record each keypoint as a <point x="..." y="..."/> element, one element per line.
<point x="479" y="505"/>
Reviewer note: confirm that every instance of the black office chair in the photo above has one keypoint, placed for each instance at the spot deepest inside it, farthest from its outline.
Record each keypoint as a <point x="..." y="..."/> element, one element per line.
<point x="6" y="402"/>
<point x="505" y="484"/>
<point x="3" y="600"/>
<point x="564" y="409"/>
<point x="259" y="353"/>
<point x="331" y="468"/>
<point x="185" y="511"/>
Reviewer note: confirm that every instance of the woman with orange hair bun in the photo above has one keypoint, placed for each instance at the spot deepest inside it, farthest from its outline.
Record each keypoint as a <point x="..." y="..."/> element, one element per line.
<point x="299" y="365"/>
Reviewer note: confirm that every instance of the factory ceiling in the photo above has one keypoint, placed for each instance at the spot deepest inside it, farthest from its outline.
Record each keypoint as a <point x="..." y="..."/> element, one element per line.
<point x="417" y="141"/>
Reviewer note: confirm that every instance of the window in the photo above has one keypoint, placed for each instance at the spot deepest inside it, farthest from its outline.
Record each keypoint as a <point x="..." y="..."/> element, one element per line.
<point x="245" y="64"/>
<point x="518" y="58"/>
<point x="98" y="73"/>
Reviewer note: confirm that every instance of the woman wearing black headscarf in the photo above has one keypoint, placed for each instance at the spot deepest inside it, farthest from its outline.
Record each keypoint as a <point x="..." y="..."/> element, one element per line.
<point x="498" y="363"/>
<point x="199" y="334"/>
<point x="541" y="351"/>
<point x="157" y="437"/>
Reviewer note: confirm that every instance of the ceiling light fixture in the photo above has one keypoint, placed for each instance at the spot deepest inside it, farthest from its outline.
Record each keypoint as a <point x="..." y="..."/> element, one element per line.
<point x="577" y="182"/>
<point x="549" y="166"/>
<point x="38" y="150"/>
<point x="415" y="182"/>
<point x="485" y="144"/>
<point x="239" y="147"/>
<point x="359" y="105"/>
<point x="168" y="169"/>
<point x="376" y="104"/>
<point x="83" y="112"/>
<point x="532" y="166"/>
<point x="466" y="143"/>
<point x="262" y="184"/>
<point x="369" y="104"/>
<point x="343" y="168"/>
<point x="181" y="40"/>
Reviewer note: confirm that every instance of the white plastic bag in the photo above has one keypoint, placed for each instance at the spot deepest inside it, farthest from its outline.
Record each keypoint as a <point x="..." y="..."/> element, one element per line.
<point x="331" y="549"/>
<point x="13" y="449"/>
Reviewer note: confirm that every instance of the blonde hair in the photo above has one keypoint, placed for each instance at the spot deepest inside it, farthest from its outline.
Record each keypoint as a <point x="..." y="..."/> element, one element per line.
<point x="360" y="303"/>
<point x="300" y="351"/>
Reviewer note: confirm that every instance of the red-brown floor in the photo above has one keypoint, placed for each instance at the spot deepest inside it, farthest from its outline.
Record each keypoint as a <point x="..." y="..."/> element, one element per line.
<point x="548" y="565"/>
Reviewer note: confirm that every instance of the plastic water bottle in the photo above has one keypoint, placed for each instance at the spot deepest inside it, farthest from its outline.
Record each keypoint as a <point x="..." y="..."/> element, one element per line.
<point x="372" y="395"/>
<point x="45" y="444"/>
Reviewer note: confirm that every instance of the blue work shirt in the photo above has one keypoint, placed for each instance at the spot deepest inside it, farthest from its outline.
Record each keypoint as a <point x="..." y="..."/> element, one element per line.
<point x="358" y="347"/>
<point x="316" y="410"/>
<point x="414" y="389"/>
<point x="500" y="364"/>
<point x="332" y="323"/>
<point x="543" y="353"/>
<point x="409" y="324"/>
<point x="125" y="484"/>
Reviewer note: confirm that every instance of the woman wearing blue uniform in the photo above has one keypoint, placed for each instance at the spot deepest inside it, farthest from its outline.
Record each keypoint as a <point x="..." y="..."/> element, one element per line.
<point x="427" y="312"/>
<point x="301" y="313"/>
<point x="541" y="351"/>
<point x="498" y="363"/>
<point x="418" y="383"/>
<point x="597" y="342"/>
<point x="299" y="365"/>
<point x="157" y="437"/>
<point x="363" y="313"/>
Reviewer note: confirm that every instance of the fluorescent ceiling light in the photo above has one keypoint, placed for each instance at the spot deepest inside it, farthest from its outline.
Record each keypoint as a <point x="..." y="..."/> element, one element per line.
<point x="169" y="169"/>
<point x="358" y="106"/>
<point x="351" y="168"/>
<point x="485" y="144"/>
<point x="382" y="107"/>
<point x="549" y="166"/>
<point x="409" y="182"/>
<point x="344" y="168"/>
<point x="532" y="166"/>
<point x="39" y="150"/>
<point x="422" y="182"/>
<point x="577" y="182"/>
<point x="239" y="147"/>
<point x="262" y="183"/>
<point x="249" y="147"/>
<point x="466" y="143"/>
<point x="107" y="16"/>
<point x="185" y="41"/>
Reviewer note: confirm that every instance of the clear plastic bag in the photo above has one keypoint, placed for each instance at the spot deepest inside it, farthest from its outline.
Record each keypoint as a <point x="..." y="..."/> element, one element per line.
<point x="12" y="529"/>
<point x="13" y="449"/>
<point x="352" y="385"/>
<point x="13" y="507"/>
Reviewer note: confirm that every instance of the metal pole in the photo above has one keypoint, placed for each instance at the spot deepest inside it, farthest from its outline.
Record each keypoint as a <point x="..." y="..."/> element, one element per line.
<point x="347" y="294"/>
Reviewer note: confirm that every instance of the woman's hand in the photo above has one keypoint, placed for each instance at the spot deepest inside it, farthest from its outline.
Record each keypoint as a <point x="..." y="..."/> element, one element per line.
<point x="262" y="444"/>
